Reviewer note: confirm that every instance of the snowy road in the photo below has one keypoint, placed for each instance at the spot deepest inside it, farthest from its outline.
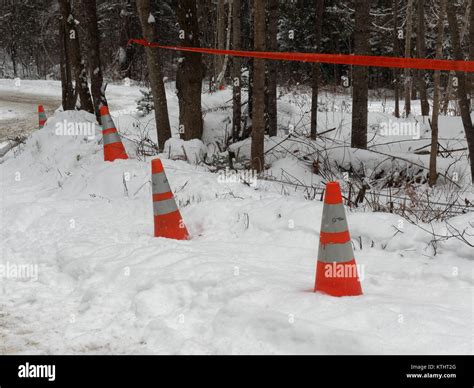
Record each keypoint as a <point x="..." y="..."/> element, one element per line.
<point x="18" y="111"/>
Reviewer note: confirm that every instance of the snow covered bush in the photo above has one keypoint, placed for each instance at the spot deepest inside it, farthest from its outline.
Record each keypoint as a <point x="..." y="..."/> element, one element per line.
<point x="193" y="151"/>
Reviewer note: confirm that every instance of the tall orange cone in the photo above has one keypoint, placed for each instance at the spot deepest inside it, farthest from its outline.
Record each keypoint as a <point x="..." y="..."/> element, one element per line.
<point x="41" y="116"/>
<point x="336" y="272"/>
<point x="168" y="220"/>
<point x="113" y="147"/>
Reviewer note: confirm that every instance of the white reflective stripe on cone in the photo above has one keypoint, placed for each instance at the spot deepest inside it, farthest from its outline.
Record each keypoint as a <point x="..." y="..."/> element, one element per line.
<point x="110" y="138"/>
<point x="339" y="253"/>
<point x="164" y="207"/>
<point x="160" y="183"/>
<point x="334" y="219"/>
<point x="107" y="122"/>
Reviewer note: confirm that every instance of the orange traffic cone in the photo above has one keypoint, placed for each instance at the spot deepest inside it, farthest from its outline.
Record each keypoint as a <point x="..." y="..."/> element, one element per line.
<point x="41" y="116"/>
<point x="168" y="220"/>
<point x="336" y="272"/>
<point x="113" y="147"/>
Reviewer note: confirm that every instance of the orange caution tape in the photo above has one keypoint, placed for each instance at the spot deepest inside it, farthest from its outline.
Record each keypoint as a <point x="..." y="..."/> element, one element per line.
<point x="342" y="59"/>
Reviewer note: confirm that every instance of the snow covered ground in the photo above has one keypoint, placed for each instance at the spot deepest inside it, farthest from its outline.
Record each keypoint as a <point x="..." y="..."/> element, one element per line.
<point x="95" y="280"/>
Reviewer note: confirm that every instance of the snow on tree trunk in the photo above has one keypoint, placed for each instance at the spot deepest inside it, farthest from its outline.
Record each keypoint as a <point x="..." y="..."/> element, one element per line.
<point x="80" y="74"/>
<point x="163" y="128"/>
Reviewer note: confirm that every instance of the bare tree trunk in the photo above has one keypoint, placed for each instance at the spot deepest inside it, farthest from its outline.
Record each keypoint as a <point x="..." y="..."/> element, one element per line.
<point x="68" y="95"/>
<point x="471" y="54"/>
<point x="95" y="66"/>
<point x="220" y="39"/>
<point x="221" y="77"/>
<point x="80" y="74"/>
<point x="271" y="73"/>
<point x="128" y="30"/>
<point x="258" y="113"/>
<point x="236" y="71"/>
<point x="250" y="63"/>
<point x="207" y="27"/>
<point x="462" y="87"/>
<point x="316" y="68"/>
<point x="408" y="80"/>
<point x="421" y="51"/>
<point x="396" y="52"/>
<point x="436" y="92"/>
<point x="163" y="128"/>
<point x="449" y="85"/>
<point x="360" y="84"/>
<point x="190" y="73"/>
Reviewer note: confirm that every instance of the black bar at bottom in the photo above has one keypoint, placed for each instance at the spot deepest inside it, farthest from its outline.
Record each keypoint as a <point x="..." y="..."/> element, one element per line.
<point x="165" y="371"/>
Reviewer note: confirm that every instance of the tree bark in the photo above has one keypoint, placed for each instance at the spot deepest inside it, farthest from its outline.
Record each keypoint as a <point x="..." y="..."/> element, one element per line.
<point x="80" y="75"/>
<point x="436" y="93"/>
<point x="421" y="51"/>
<point x="316" y="68"/>
<point x="462" y="87"/>
<point x="236" y="71"/>
<point x="221" y="77"/>
<point x="258" y="113"/>
<point x="95" y="66"/>
<point x="190" y="73"/>
<point x="360" y="84"/>
<point x="471" y="54"/>
<point x="396" y="52"/>
<point x="163" y="128"/>
<point x="68" y="95"/>
<point x="407" y="72"/>
<point x="449" y="85"/>
<point x="271" y="73"/>
<point x="220" y="38"/>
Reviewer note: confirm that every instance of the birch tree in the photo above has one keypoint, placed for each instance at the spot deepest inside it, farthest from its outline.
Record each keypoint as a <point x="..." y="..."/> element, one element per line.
<point x="407" y="72"/>
<point x="236" y="71"/>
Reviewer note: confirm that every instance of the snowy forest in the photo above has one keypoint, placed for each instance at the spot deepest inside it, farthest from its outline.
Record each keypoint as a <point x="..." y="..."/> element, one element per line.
<point x="165" y="189"/>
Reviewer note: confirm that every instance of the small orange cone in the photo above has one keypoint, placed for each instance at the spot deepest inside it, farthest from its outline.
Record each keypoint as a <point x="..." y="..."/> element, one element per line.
<point x="168" y="220"/>
<point x="336" y="272"/>
<point x="41" y="116"/>
<point x="113" y="147"/>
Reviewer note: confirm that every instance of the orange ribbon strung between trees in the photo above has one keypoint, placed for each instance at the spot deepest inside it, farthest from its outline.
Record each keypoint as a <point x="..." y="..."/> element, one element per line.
<point x="341" y="59"/>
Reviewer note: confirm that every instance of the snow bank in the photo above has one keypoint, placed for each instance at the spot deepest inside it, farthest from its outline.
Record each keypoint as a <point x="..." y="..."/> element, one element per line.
<point x="241" y="285"/>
